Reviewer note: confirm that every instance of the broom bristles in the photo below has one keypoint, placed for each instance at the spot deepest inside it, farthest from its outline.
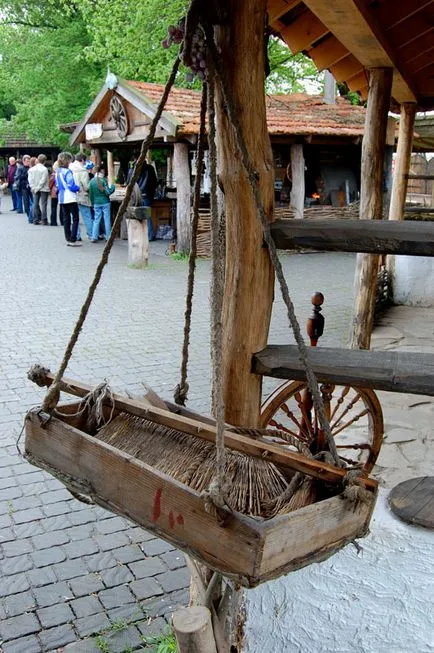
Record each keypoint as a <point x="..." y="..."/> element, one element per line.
<point x="256" y="486"/>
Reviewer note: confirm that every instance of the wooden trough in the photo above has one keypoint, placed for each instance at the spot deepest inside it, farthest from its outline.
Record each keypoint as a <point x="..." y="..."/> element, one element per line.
<point x="249" y="550"/>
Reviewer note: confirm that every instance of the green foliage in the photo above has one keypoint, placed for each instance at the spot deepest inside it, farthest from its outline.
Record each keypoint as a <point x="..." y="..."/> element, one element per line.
<point x="127" y="35"/>
<point x="179" y="256"/>
<point x="291" y="73"/>
<point x="165" y="643"/>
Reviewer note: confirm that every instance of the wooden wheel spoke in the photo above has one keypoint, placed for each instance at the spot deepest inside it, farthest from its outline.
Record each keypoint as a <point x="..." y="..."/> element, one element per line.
<point x="285" y="429"/>
<point x="350" y="461"/>
<point x="340" y="400"/>
<point x="293" y="418"/>
<point x="306" y="418"/>
<point x="351" y="421"/>
<point x="347" y="409"/>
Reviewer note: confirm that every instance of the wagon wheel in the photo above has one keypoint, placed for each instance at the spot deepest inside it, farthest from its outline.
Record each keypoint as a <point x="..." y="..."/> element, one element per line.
<point x="355" y="416"/>
<point x="119" y="116"/>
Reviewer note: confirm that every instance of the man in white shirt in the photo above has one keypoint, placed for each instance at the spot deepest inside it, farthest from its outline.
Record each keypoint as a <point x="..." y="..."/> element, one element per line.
<point x="38" y="182"/>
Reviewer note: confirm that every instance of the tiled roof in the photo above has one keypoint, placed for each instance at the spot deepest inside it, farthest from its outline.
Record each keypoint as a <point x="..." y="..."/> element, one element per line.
<point x="297" y="114"/>
<point x="20" y="141"/>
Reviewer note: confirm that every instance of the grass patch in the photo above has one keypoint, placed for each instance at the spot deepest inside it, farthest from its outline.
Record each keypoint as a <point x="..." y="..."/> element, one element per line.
<point x="179" y="256"/>
<point x="164" y="643"/>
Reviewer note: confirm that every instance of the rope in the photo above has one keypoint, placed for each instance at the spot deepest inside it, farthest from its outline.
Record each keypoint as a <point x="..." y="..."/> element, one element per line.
<point x="181" y="390"/>
<point x="253" y="180"/>
<point x="217" y="290"/>
<point x="52" y="397"/>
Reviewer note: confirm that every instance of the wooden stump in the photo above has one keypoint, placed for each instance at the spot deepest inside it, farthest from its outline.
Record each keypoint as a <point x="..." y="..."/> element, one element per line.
<point x="138" y="243"/>
<point x="193" y="630"/>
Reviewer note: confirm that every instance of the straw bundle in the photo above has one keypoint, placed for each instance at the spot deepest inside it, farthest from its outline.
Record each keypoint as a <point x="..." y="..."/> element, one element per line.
<point x="256" y="487"/>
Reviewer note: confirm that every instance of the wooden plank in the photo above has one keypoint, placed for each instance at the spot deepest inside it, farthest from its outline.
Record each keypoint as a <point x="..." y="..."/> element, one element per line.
<point x="411" y="373"/>
<point x="328" y="52"/>
<point x="371" y="202"/>
<point x="148" y="497"/>
<point x="370" y="236"/>
<point x="278" y="8"/>
<point x="244" y="444"/>
<point x="358" y="81"/>
<point x="346" y="68"/>
<point x="330" y="525"/>
<point x="303" y="32"/>
<point x="427" y="177"/>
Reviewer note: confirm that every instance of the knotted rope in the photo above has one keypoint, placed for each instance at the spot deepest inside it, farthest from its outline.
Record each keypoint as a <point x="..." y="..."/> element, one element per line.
<point x="52" y="397"/>
<point x="181" y="390"/>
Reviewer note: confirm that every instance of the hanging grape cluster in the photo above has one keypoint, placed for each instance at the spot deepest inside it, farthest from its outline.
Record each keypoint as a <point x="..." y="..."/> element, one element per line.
<point x="197" y="55"/>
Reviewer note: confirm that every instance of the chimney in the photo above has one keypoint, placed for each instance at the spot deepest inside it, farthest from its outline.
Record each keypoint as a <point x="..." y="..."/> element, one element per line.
<point x="329" y="88"/>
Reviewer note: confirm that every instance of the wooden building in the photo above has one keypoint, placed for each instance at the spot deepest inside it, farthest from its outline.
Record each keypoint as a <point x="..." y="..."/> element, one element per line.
<point x="316" y="145"/>
<point x="18" y="144"/>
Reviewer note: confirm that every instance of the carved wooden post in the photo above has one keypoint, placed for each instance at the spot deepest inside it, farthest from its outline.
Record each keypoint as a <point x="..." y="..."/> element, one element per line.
<point x="371" y="202"/>
<point x="297" y="170"/>
<point x="181" y="169"/>
<point x="402" y="161"/>
<point x="249" y="278"/>
<point x="110" y="168"/>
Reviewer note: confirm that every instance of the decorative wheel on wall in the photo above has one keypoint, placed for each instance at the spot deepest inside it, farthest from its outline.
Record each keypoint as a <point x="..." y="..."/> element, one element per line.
<point x="119" y="115"/>
<point x="355" y="416"/>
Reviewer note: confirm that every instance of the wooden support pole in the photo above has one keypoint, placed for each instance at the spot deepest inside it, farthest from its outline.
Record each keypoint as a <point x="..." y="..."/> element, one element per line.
<point x="110" y="168"/>
<point x="249" y="277"/>
<point x="193" y="630"/>
<point x="181" y="169"/>
<point x="402" y="162"/>
<point x="138" y="242"/>
<point x="297" y="170"/>
<point x="371" y="202"/>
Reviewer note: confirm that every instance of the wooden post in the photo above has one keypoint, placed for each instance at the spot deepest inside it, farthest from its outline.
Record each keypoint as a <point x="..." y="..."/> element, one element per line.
<point x="193" y="630"/>
<point x="181" y="169"/>
<point x="371" y="202"/>
<point x="95" y="156"/>
<point x="110" y="168"/>
<point x="297" y="169"/>
<point x="138" y="243"/>
<point x="249" y="277"/>
<point x="402" y="161"/>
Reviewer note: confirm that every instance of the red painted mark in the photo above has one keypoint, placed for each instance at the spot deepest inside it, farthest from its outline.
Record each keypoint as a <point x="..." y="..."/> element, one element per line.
<point x="157" y="505"/>
<point x="180" y="520"/>
<point x="171" y="519"/>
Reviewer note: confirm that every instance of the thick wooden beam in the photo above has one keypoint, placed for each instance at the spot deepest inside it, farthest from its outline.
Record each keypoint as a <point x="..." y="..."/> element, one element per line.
<point x="181" y="169"/>
<point x="328" y="52"/>
<point x="408" y="372"/>
<point x="346" y="68"/>
<point x="298" y="183"/>
<point x="369" y="236"/>
<point x="249" y="277"/>
<point x="402" y="162"/>
<point x="303" y="32"/>
<point x="358" y="81"/>
<point x="345" y="20"/>
<point x="278" y="8"/>
<point x="371" y="202"/>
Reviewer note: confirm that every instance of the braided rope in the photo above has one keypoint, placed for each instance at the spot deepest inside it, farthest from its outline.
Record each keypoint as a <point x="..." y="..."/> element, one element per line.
<point x="52" y="397"/>
<point x="181" y="390"/>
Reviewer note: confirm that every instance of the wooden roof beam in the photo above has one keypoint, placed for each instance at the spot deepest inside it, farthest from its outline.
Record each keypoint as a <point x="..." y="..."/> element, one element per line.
<point x="345" y="21"/>
<point x="303" y="32"/>
<point x="327" y="53"/>
<point x="278" y="8"/>
<point x="346" y="68"/>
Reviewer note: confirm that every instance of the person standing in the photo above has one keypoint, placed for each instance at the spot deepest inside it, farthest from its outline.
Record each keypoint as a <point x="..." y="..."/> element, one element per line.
<point x="21" y="183"/>
<point x="38" y="182"/>
<point x="147" y="182"/>
<point x="67" y="197"/>
<point x="99" y="195"/>
<point x="81" y="178"/>
<point x="11" y="171"/>
<point x="53" y="195"/>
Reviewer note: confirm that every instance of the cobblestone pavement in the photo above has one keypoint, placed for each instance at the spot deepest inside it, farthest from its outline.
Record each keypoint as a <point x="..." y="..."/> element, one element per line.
<point x="70" y="571"/>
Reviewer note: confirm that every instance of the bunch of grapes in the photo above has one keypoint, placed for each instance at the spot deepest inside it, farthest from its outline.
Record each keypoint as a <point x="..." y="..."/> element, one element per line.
<point x="197" y="55"/>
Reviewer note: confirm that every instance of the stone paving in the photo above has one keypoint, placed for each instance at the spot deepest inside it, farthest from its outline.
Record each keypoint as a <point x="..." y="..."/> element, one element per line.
<point x="77" y="578"/>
